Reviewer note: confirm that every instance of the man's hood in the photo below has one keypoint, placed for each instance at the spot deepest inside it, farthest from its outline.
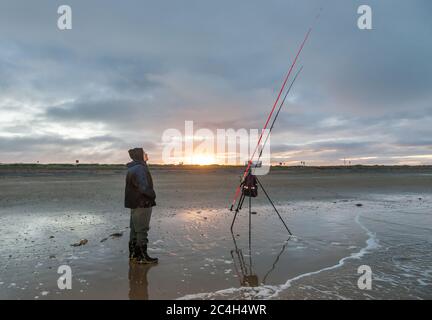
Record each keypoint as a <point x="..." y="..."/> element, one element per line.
<point x="137" y="154"/>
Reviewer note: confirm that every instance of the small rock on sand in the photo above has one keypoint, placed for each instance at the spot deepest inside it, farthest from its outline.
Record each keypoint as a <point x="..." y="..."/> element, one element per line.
<point x="116" y="235"/>
<point x="80" y="243"/>
<point x="113" y="235"/>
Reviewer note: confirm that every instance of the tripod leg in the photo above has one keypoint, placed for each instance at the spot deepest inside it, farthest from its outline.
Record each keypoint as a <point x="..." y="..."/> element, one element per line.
<point x="250" y="234"/>
<point x="237" y="210"/>
<point x="271" y="202"/>
<point x="241" y="203"/>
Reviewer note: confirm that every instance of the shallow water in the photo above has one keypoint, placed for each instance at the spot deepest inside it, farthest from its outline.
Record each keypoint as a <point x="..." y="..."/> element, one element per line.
<point x="390" y="232"/>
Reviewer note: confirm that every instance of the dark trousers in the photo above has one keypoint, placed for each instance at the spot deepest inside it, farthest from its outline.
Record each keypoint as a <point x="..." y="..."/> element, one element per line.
<point x="140" y="225"/>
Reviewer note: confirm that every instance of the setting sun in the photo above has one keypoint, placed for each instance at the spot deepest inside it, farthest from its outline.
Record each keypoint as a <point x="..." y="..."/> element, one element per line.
<point x="202" y="159"/>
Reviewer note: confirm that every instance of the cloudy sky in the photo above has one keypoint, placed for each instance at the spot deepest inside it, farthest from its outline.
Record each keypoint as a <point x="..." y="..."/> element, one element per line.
<point x="128" y="70"/>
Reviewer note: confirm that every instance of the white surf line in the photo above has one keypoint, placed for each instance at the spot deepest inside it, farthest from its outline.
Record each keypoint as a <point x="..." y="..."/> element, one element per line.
<point x="269" y="292"/>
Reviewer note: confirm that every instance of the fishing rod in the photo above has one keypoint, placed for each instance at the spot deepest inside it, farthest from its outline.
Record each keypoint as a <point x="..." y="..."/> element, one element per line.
<point x="237" y="193"/>
<point x="245" y="173"/>
<point x="277" y="114"/>
<point x="240" y="204"/>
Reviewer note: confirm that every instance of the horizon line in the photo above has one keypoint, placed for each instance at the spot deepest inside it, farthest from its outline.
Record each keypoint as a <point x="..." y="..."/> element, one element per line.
<point x="207" y="165"/>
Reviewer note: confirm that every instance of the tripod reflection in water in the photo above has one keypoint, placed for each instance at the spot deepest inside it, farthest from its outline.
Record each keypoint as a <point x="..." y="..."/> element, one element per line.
<point x="138" y="284"/>
<point x="245" y="271"/>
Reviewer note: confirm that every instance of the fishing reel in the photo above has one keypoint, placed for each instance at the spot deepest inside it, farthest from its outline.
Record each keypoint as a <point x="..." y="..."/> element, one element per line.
<point x="250" y="186"/>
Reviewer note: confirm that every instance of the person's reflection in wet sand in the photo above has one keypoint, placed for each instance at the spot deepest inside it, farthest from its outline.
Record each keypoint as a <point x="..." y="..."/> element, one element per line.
<point x="138" y="283"/>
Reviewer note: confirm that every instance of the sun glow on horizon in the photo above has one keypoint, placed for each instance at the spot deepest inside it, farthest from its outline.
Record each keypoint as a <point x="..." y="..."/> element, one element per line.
<point x="202" y="159"/>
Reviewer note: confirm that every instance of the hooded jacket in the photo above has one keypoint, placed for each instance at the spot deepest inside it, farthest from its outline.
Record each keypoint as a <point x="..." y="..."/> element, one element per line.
<point x="139" y="191"/>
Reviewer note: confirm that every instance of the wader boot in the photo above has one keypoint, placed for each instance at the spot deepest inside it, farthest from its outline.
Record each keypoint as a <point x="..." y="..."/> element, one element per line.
<point x="132" y="251"/>
<point x="142" y="256"/>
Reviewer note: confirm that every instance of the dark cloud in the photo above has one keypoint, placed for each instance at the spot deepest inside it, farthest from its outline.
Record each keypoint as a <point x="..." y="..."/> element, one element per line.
<point x="32" y="143"/>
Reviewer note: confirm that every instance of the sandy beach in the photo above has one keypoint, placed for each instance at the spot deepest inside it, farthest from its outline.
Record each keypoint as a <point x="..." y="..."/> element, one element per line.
<point x="341" y="218"/>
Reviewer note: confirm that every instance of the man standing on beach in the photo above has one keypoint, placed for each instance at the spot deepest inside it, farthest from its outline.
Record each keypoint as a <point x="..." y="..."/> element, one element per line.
<point x="140" y="198"/>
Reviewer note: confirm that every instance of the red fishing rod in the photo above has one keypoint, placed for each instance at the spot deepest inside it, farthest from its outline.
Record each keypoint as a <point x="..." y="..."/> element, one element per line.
<point x="275" y="118"/>
<point x="237" y="193"/>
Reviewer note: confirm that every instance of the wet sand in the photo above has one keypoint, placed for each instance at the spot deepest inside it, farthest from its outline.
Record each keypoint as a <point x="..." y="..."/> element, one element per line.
<point x="43" y="212"/>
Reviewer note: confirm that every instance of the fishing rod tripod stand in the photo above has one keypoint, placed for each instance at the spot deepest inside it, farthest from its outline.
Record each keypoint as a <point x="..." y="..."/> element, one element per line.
<point x="245" y="193"/>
